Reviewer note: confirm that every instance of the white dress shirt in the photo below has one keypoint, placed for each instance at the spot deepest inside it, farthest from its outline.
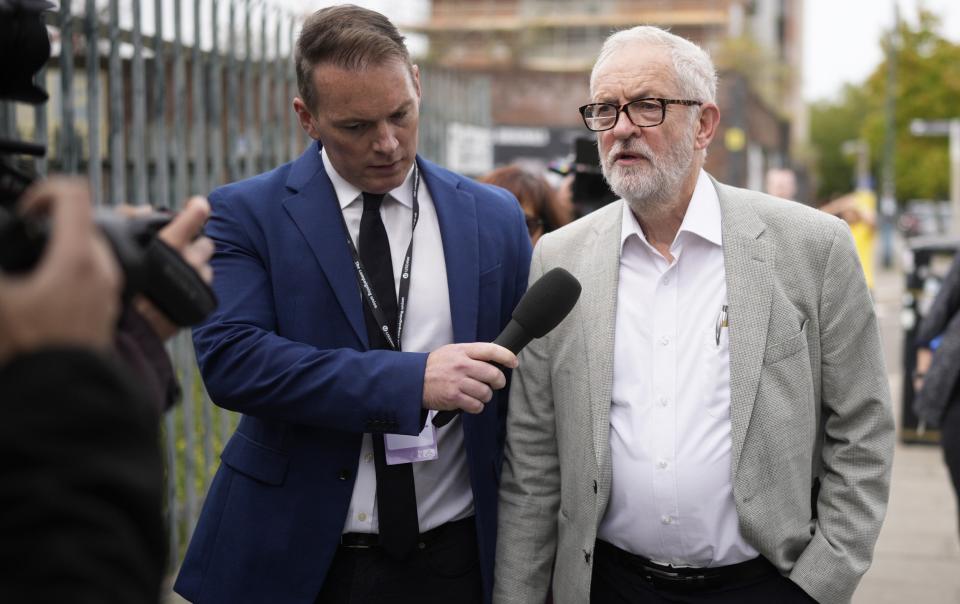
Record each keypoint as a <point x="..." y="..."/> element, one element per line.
<point x="671" y="497"/>
<point x="443" y="484"/>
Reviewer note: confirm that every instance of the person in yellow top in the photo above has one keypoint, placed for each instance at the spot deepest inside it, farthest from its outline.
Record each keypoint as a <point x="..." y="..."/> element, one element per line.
<point x="859" y="210"/>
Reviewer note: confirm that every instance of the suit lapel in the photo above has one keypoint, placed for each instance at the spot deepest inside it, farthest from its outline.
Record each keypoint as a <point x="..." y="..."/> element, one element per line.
<point x="600" y="276"/>
<point x="457" y="215"/>
<point x="315" y="211"/>
<point x="749" y="264"/>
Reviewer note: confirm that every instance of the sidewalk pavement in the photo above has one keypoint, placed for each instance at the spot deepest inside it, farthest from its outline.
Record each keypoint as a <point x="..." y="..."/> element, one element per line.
<point x="917" y="559"/>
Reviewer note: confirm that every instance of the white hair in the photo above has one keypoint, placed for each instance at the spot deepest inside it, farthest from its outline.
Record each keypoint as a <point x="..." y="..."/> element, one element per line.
<point x="695" y="73"/>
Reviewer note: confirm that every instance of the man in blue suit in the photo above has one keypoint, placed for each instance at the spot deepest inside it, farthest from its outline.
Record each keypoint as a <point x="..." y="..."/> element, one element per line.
<point x="359" y="288"/>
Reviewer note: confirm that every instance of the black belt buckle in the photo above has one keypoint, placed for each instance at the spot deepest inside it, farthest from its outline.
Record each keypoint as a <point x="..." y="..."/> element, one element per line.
<point x="675" y="580"/>
<point x="372" y="540"/>
<point x="359" y="540"/>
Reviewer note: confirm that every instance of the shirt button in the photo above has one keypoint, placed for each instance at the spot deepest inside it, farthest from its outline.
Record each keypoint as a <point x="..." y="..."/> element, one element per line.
<point x="368" y="457"/>
<point x="361" y="516"/>
<point x="662" y="464"/>
<point x="664" y="340"/>
<point x="663" y="401"/>
<point x="666" y="519"/>
<point x="666" y="280"/>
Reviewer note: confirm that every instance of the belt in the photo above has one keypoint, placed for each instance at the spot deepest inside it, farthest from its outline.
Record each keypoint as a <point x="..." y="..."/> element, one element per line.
<point x="688" y="579"/>
<point x="372" y="540"/>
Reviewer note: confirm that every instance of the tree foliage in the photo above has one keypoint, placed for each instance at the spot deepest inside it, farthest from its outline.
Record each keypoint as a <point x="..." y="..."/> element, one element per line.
<point x="833" y="123"/>
<point x="927" y="87"/>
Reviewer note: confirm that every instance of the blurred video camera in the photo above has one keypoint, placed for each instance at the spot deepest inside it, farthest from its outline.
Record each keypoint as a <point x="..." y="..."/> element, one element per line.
<point x="590" y="190"/>
<point x="150" y="266"/>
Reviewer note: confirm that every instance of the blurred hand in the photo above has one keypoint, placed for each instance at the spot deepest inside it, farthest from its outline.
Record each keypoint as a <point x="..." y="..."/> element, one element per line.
<point x="565" y="210"/>
<point x="72" y="297"/>
<point x="181" y="235"/>
<point x="924" y="359"/>
<point x="460" y="376"/>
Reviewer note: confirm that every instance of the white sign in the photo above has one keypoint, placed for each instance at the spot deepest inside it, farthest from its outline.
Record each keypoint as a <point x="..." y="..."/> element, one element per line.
<point x="522" y="137"/>
<point x="469" y="149"/>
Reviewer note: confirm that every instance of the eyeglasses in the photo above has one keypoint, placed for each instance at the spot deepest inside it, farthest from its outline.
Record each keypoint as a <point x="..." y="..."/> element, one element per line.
<point x="644" y="113"/>
<point x="534" y="224"/>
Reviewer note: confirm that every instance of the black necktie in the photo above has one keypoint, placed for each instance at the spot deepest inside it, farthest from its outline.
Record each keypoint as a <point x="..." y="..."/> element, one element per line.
<point x="396" y="495"/>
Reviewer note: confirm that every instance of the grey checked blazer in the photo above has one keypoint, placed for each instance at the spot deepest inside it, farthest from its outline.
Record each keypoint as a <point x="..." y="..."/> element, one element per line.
<point x="809" y="398"/>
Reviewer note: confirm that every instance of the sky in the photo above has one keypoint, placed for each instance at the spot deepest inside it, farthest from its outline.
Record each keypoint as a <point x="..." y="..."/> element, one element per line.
<point x="842" y="38"/>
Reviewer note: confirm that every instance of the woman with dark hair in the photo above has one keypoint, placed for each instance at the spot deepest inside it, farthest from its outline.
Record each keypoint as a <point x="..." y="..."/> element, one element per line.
<point x="539" y="200"/>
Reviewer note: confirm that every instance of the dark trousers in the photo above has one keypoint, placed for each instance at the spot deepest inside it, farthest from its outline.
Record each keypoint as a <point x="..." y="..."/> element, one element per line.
<point x="617" y="583"/>
<point x="950" y="441"/>
<point x="445" y="569"/>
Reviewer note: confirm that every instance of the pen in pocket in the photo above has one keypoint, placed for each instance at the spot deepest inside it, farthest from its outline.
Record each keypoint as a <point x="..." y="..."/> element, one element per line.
<point x="721" y="322"/>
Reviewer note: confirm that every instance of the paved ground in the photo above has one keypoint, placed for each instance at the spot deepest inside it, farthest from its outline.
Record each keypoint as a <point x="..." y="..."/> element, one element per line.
<point x="917" y="560"/>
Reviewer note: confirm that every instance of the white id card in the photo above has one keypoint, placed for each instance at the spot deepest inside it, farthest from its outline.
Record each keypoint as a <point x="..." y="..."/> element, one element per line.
<point x="401" y="448"/>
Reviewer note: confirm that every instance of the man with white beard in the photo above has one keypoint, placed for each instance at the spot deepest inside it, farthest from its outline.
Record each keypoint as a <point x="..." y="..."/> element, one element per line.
<point x="712" y="422"/>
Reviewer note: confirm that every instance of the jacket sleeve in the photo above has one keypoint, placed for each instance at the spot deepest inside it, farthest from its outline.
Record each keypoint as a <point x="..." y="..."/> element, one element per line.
<point x="530" y="483"/>
<point x="858" y="440"/>
<point x="944" y="306"/>
<point x="248" y="367"/>
<point x="82" y="482"/>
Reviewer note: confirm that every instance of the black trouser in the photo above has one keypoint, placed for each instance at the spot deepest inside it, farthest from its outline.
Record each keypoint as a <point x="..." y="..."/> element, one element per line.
<point x="617" y="580"/>
<point x="950" y="441"/>
<point x="446" y="568"/>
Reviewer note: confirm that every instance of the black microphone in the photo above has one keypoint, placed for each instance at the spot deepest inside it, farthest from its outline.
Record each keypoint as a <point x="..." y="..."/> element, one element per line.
<point x="546" y="303"/>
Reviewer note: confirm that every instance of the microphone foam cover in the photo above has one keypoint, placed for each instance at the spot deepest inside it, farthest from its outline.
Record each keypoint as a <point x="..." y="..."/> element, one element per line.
<point x="547" y="302"/>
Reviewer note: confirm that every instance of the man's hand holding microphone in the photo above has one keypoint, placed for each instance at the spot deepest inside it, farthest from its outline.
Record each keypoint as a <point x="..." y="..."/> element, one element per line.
<point x="462" y="377"/>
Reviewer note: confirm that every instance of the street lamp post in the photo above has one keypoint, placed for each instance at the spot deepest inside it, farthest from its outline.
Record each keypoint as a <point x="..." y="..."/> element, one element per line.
<point x="861" y="149"/>
<point x="951" y="129"/>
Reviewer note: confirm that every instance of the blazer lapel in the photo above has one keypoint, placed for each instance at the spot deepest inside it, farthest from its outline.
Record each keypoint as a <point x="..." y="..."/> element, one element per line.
<point x="599" y="276"/>
<point x="748" y="263"/>
<point x="314" y="209"/>
<point x="457" y="215"/>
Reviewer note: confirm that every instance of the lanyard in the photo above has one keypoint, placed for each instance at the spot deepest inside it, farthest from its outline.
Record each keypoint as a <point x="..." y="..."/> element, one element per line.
<point x="364" y="282"/>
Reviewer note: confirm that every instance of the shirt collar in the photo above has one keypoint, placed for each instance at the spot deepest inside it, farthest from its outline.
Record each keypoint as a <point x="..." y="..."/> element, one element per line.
<point x="348" y="193"/>
<point x="703" y="213"/>
<point x="702" y="217"/>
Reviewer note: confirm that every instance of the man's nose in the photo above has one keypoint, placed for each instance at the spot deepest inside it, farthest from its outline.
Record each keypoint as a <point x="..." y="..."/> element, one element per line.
<point x="624" y="128"/>
<point x="386" y="141"/>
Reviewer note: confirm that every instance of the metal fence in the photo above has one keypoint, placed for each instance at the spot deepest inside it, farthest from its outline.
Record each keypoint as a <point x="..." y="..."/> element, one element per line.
<point x="153" y="106"/>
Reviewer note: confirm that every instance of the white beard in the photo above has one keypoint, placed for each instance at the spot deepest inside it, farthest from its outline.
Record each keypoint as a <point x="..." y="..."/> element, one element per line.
<point x="649" y="186"/>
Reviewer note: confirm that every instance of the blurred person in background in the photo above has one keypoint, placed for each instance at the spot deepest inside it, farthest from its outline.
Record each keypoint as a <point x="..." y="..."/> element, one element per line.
<point x="542" y="206"/>
<point x="712" y="423"/>
<point x="859" y="211"/>
<point x="782" y="183"/>
<point x="937" y="374"/>
<point x="81" y="494"/>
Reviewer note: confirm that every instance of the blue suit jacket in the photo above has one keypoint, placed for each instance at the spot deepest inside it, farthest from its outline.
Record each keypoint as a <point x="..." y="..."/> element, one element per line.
<point x="288" y="349"/>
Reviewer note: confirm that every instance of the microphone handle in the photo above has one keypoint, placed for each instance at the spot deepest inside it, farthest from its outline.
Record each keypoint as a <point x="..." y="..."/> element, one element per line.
<point x="513" y="337"/>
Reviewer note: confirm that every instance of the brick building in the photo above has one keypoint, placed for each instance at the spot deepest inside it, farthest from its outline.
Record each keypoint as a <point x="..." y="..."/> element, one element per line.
<point x="537" y="55"/>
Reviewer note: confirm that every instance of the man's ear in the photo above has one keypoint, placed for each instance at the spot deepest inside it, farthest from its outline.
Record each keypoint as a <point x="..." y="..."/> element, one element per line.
<point x="305" y="118"/>
<point x="707" y="125"/>
<point x="415" y="72"/>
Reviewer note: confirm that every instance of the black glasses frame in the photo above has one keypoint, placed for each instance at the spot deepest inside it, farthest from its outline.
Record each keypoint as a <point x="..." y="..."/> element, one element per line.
<point x="623" y="109"/>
